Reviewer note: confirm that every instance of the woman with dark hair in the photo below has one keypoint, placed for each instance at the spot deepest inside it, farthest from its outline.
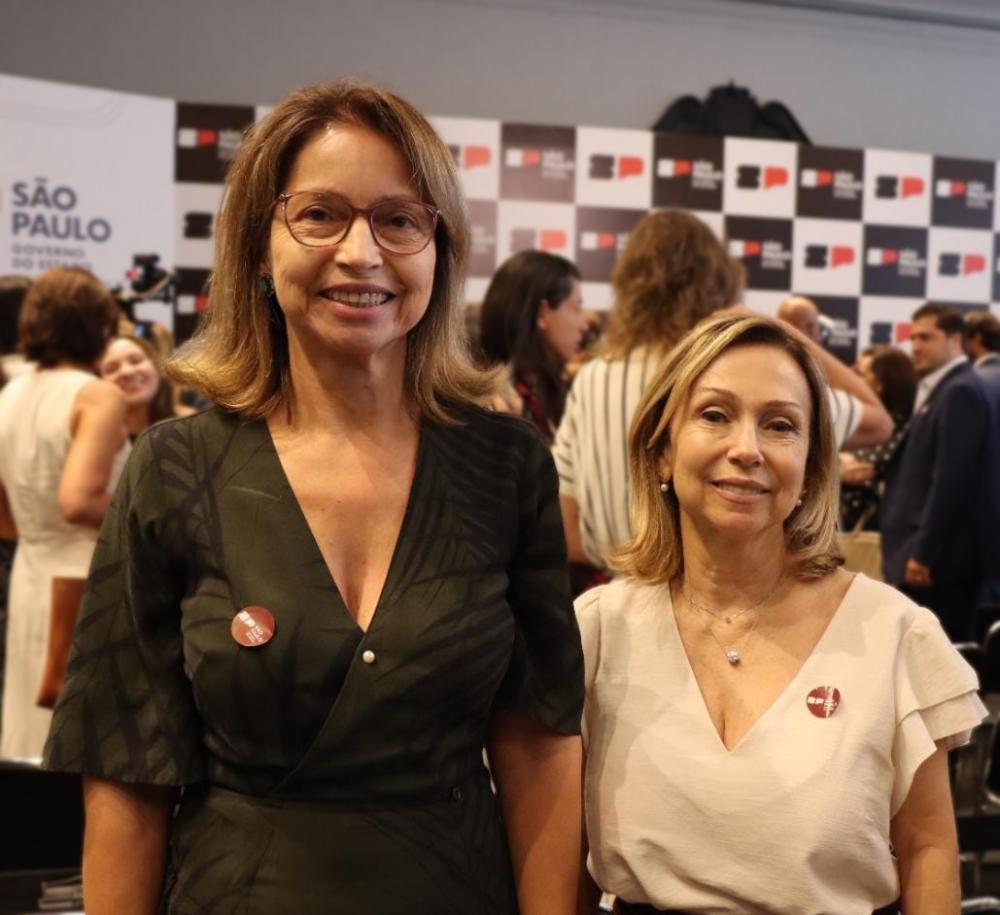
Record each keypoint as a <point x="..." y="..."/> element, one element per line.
<point x="133" y="365"/>
<point x="314" y="604"/>
<point x="889" y="372"/>
<point x="63" y="434"/>
<point x="532" y="320"/>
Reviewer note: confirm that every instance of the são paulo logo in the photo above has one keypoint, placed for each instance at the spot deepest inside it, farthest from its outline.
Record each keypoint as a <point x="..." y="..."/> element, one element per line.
<point x="603" y="241"/>
<point x="977" y="194"/>
<point x="842" y="182"/>
<point x="907" y="261"/>
<point x="772" y="253"/>
<point x="704" y="174"/>
<point x="820" y="257"/>
<point x="898" y="187"/>
<point x="758" y="177"/>
<point x="607" y="168"/>
<point x="44" y="211"/>
<point x="225" y="142"/>
<point x="524" y="239"/>
<point x="471" y="156"/>
<point x="955" y="264"/>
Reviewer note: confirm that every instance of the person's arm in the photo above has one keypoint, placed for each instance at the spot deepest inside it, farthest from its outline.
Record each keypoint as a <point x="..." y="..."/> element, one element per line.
<point x="876" y="424"/>
<point x="588" y="896"/>
<point x="98" y="430"/>
<point x="8" y="529"/>
<point x="124" y="847"/>
<point x="926" y="842"/>
<point x="538" y="774"/>
<point x="571" y="525"/>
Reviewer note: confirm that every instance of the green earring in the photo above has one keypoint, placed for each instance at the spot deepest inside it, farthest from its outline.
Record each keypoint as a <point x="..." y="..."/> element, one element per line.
<point x="266" y="284"/>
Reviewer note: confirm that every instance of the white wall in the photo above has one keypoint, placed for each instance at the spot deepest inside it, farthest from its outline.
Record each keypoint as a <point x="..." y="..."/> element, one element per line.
<point x="851" y="81"/>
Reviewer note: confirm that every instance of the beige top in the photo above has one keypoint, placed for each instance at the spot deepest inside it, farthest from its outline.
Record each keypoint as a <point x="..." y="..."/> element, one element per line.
<point x="35" y="438"/>
<point x="795" y="818"/>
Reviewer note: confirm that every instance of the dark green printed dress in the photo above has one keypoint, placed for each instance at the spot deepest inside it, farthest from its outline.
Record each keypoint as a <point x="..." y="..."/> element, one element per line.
<point x="330" y="770"/>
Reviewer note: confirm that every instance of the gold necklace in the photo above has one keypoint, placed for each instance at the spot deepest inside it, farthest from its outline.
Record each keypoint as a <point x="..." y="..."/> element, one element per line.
<point x="732" y="655"/>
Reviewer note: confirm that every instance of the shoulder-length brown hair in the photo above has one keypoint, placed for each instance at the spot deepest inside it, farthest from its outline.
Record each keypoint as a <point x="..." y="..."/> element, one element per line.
<point x="655" y="552"/>
<point x="164" y="402"/>
<point x="68" y="315"/>
<point x="239" y="356"/>
<point x="672" y="273"/>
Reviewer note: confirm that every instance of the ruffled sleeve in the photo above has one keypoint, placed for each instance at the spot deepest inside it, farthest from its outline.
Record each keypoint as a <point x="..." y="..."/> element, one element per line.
<point x="545" y="676"/>
<point x="936" y="700"/>
<point x="127" y="711"/>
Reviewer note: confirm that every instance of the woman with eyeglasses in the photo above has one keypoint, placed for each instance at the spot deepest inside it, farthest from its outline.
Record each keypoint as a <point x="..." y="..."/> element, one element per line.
<point x="315" y="604"/>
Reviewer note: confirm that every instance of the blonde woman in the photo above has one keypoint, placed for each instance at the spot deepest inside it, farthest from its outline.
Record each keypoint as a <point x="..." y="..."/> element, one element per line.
<point x="764" y="732"/>
<point x="672" y="273"/>
<point x="315" y="604"/>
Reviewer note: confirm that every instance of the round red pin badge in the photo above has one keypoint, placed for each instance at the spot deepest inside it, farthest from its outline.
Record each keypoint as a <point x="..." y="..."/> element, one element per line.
<point x="253" y="627"/>
<point x="823" y="701"/>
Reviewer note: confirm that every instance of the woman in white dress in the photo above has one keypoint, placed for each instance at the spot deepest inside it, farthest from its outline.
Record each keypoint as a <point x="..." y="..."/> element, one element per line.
<point x="62" y="442"/>
<point x="764" y="731"/>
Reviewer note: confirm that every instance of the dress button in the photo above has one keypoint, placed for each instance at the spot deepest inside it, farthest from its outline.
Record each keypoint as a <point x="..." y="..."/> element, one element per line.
<point x="368" y="656"/>
<point x="456" y="794"/>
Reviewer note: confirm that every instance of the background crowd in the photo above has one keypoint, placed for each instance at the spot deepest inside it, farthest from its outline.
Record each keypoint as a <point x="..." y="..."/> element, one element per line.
<point x="352" y="457"/>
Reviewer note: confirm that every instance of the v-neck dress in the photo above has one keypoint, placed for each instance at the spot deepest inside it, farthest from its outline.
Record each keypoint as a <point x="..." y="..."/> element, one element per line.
<point x="330" y="770"/>
<point x="793" y="820"/>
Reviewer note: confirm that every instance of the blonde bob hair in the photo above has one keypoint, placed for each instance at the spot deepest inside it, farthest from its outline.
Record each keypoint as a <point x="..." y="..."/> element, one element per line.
<point x="655" y="552"/>
<point x="239" y="356"/>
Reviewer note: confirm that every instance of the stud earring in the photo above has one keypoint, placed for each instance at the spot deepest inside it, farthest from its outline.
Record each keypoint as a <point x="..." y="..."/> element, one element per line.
<point x="665" y="486"/>
<point x="266" y="284"/>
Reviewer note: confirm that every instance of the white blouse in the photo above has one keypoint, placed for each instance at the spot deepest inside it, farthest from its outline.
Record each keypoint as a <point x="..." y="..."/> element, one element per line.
<point x="795" y="818"/>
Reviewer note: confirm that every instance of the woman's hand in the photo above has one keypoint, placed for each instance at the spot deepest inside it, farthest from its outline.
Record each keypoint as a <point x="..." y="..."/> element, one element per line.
<point x="926" y="842"/>
<point x="539" y="776"/>
<point x="124" y="846"/>
<point x="8" y="529"/>
<point x="854" y="471"/>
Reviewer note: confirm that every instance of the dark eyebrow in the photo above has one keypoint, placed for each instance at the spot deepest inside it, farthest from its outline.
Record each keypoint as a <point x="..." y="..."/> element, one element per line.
<point x="386" y="198"/>
<point x="771" y="404"/>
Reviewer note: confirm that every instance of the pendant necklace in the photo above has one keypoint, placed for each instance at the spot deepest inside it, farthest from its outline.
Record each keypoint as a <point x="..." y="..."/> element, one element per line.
<point x="732" y="655"/>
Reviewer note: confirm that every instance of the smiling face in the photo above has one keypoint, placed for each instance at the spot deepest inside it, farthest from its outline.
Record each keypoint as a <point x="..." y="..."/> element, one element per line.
<point x="351" y="300"/>
<point x="562" y="327"/>
<point x="127" y="365"/>
<point x="739" y="444"/>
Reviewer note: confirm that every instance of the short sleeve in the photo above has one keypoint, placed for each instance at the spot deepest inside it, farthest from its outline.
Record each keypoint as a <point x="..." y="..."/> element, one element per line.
<point x="565" y="445"/>
<point x="845" y="412"/>
<point x="127" y="711"/>
<point x="545" y="677"/>
<point x="936" y="700"/>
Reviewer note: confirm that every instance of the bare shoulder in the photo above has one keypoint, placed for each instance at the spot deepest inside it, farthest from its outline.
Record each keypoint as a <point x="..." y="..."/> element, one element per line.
<point x="100" y="393"/>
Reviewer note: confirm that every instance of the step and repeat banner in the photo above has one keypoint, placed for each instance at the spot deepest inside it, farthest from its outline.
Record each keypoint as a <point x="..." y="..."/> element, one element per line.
<point x="93" y="177"/>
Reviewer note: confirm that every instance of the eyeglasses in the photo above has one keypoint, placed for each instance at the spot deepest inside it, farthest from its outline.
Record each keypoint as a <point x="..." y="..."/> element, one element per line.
<point x="321" y="219"/>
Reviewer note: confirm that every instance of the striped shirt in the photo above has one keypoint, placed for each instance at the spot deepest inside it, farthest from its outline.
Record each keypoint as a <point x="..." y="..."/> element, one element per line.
<point x="591" y="446"/>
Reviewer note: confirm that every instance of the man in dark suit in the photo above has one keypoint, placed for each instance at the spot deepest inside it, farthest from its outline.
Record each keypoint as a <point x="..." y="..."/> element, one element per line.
<point x="982" y="343"/>
<point x="941" y="511"/>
